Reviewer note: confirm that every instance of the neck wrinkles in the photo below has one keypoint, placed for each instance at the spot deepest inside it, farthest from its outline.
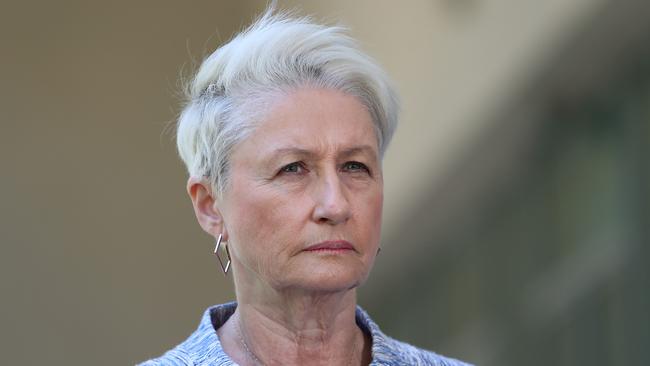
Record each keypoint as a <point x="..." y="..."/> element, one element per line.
<point x="299" y="329"/>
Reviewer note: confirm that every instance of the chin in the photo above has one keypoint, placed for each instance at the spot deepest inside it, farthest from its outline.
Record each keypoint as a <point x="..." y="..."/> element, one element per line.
<point x="331" y="279"/>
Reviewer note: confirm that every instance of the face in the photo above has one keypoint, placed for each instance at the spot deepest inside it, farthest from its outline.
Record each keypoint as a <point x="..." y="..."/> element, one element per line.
<point x="304" y="201"/>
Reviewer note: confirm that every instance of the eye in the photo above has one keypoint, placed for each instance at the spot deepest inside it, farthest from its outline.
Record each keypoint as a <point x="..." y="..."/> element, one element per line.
<point x="293" y="168"/>
<point x="355" y="166"/>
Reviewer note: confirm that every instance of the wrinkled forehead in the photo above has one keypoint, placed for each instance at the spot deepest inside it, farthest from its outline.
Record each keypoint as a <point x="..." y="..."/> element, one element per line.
<point x="305" y="106"/>
<point x="313" y="121"/>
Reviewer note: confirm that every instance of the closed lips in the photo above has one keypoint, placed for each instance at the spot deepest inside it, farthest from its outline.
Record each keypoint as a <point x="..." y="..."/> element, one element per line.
<point x="331" y="245"/>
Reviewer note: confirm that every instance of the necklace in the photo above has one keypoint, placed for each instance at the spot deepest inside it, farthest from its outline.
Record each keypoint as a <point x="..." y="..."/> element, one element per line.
<point x="354" y="347"/>
<point x="256" y="361"/>
<point x="249" y="353"/>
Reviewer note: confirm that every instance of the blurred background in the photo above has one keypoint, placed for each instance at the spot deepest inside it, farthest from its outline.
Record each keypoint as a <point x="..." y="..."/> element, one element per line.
<point x="516" y="226"/>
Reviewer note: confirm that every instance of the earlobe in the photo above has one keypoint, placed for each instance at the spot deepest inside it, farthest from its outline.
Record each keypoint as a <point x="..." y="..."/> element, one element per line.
<point x="205" y="206"/>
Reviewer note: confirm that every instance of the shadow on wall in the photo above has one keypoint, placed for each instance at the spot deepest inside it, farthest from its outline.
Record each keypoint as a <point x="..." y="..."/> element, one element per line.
<point x="534" y="251"/>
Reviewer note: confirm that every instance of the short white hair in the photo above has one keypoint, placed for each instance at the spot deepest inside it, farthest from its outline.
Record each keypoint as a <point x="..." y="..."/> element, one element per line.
<point x="276" y="54"/>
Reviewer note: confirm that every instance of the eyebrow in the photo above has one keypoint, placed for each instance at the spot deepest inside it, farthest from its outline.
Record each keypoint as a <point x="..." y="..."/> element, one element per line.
<point x="362" y="149"/>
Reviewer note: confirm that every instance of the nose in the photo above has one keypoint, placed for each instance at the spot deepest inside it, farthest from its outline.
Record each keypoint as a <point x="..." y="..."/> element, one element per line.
<point x="332" y="205"/>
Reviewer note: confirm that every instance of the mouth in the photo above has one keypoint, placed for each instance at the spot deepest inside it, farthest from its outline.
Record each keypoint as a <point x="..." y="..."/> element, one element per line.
<point x="335" y="246"/>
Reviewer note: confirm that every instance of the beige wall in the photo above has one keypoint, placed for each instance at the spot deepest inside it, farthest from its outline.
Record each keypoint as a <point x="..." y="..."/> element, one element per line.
<point x="102" y="262"/>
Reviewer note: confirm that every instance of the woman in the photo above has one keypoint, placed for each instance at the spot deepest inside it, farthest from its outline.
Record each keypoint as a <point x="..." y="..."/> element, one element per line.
<point x="283" y="137"/>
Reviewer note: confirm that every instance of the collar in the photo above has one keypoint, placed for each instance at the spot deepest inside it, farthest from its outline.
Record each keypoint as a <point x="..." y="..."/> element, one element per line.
<point x="210" y="352"/>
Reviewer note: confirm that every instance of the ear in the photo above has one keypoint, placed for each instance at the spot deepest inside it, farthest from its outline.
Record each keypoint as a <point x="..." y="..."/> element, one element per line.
<point x="205" y="207"/>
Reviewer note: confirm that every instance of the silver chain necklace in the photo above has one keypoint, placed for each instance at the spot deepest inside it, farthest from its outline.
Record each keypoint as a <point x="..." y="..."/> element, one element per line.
<point x="249" y="353"/>
<point x="256" y="360"/>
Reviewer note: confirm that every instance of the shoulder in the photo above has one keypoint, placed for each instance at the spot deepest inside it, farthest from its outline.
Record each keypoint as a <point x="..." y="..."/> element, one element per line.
<point x="387" y="351"/>
<point x="202" y="347"/>
<point x="405" y="354"/>
<point x="197" y="350"/>
<point x="172" y="358"/>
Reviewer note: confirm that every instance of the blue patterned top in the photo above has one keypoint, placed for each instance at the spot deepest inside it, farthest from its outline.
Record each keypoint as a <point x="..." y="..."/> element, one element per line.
<point x="204" y="348"/>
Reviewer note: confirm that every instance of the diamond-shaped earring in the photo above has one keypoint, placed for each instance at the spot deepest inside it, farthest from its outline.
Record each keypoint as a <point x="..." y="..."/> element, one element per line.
<point x="226" y="266"/>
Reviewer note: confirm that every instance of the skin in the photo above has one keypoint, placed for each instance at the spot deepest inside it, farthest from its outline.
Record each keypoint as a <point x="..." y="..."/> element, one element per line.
<point x="310" y="172"/>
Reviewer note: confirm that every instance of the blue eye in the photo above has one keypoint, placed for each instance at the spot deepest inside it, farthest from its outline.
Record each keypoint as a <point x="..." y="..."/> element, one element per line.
<point x="293" y="168"/>
<point x="355" y="166"/>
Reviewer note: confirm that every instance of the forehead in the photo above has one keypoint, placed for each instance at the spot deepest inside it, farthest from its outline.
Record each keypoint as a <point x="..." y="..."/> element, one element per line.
<point x="316" y="120"/>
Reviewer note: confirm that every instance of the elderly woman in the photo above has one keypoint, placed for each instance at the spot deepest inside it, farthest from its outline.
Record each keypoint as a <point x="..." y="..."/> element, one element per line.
<point x="283" y="137"/>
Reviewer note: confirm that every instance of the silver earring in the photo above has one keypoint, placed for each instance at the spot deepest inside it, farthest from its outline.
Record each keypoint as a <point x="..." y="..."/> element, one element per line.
<point x="226" y="266"/>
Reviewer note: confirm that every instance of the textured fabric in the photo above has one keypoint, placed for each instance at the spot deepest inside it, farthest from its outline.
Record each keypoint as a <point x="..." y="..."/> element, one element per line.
<point x="204" y="348"/>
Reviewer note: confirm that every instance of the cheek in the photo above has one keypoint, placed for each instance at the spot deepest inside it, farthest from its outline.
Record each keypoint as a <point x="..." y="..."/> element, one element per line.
<point x="370" y="215"/>
<point x="261" y="223"/>
<point x="250" y="219"/>
<point x="376" y="206"/>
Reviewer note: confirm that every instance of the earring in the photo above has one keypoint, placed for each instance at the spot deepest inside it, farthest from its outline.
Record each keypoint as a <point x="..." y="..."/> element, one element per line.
<point x="226" y="266"/>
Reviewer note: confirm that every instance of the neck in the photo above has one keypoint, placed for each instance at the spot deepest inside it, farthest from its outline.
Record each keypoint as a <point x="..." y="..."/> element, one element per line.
<point x="295" y="327"/>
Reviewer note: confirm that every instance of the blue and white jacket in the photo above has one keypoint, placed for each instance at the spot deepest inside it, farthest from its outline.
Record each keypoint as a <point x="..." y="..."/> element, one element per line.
<point x="204" y="348"/>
